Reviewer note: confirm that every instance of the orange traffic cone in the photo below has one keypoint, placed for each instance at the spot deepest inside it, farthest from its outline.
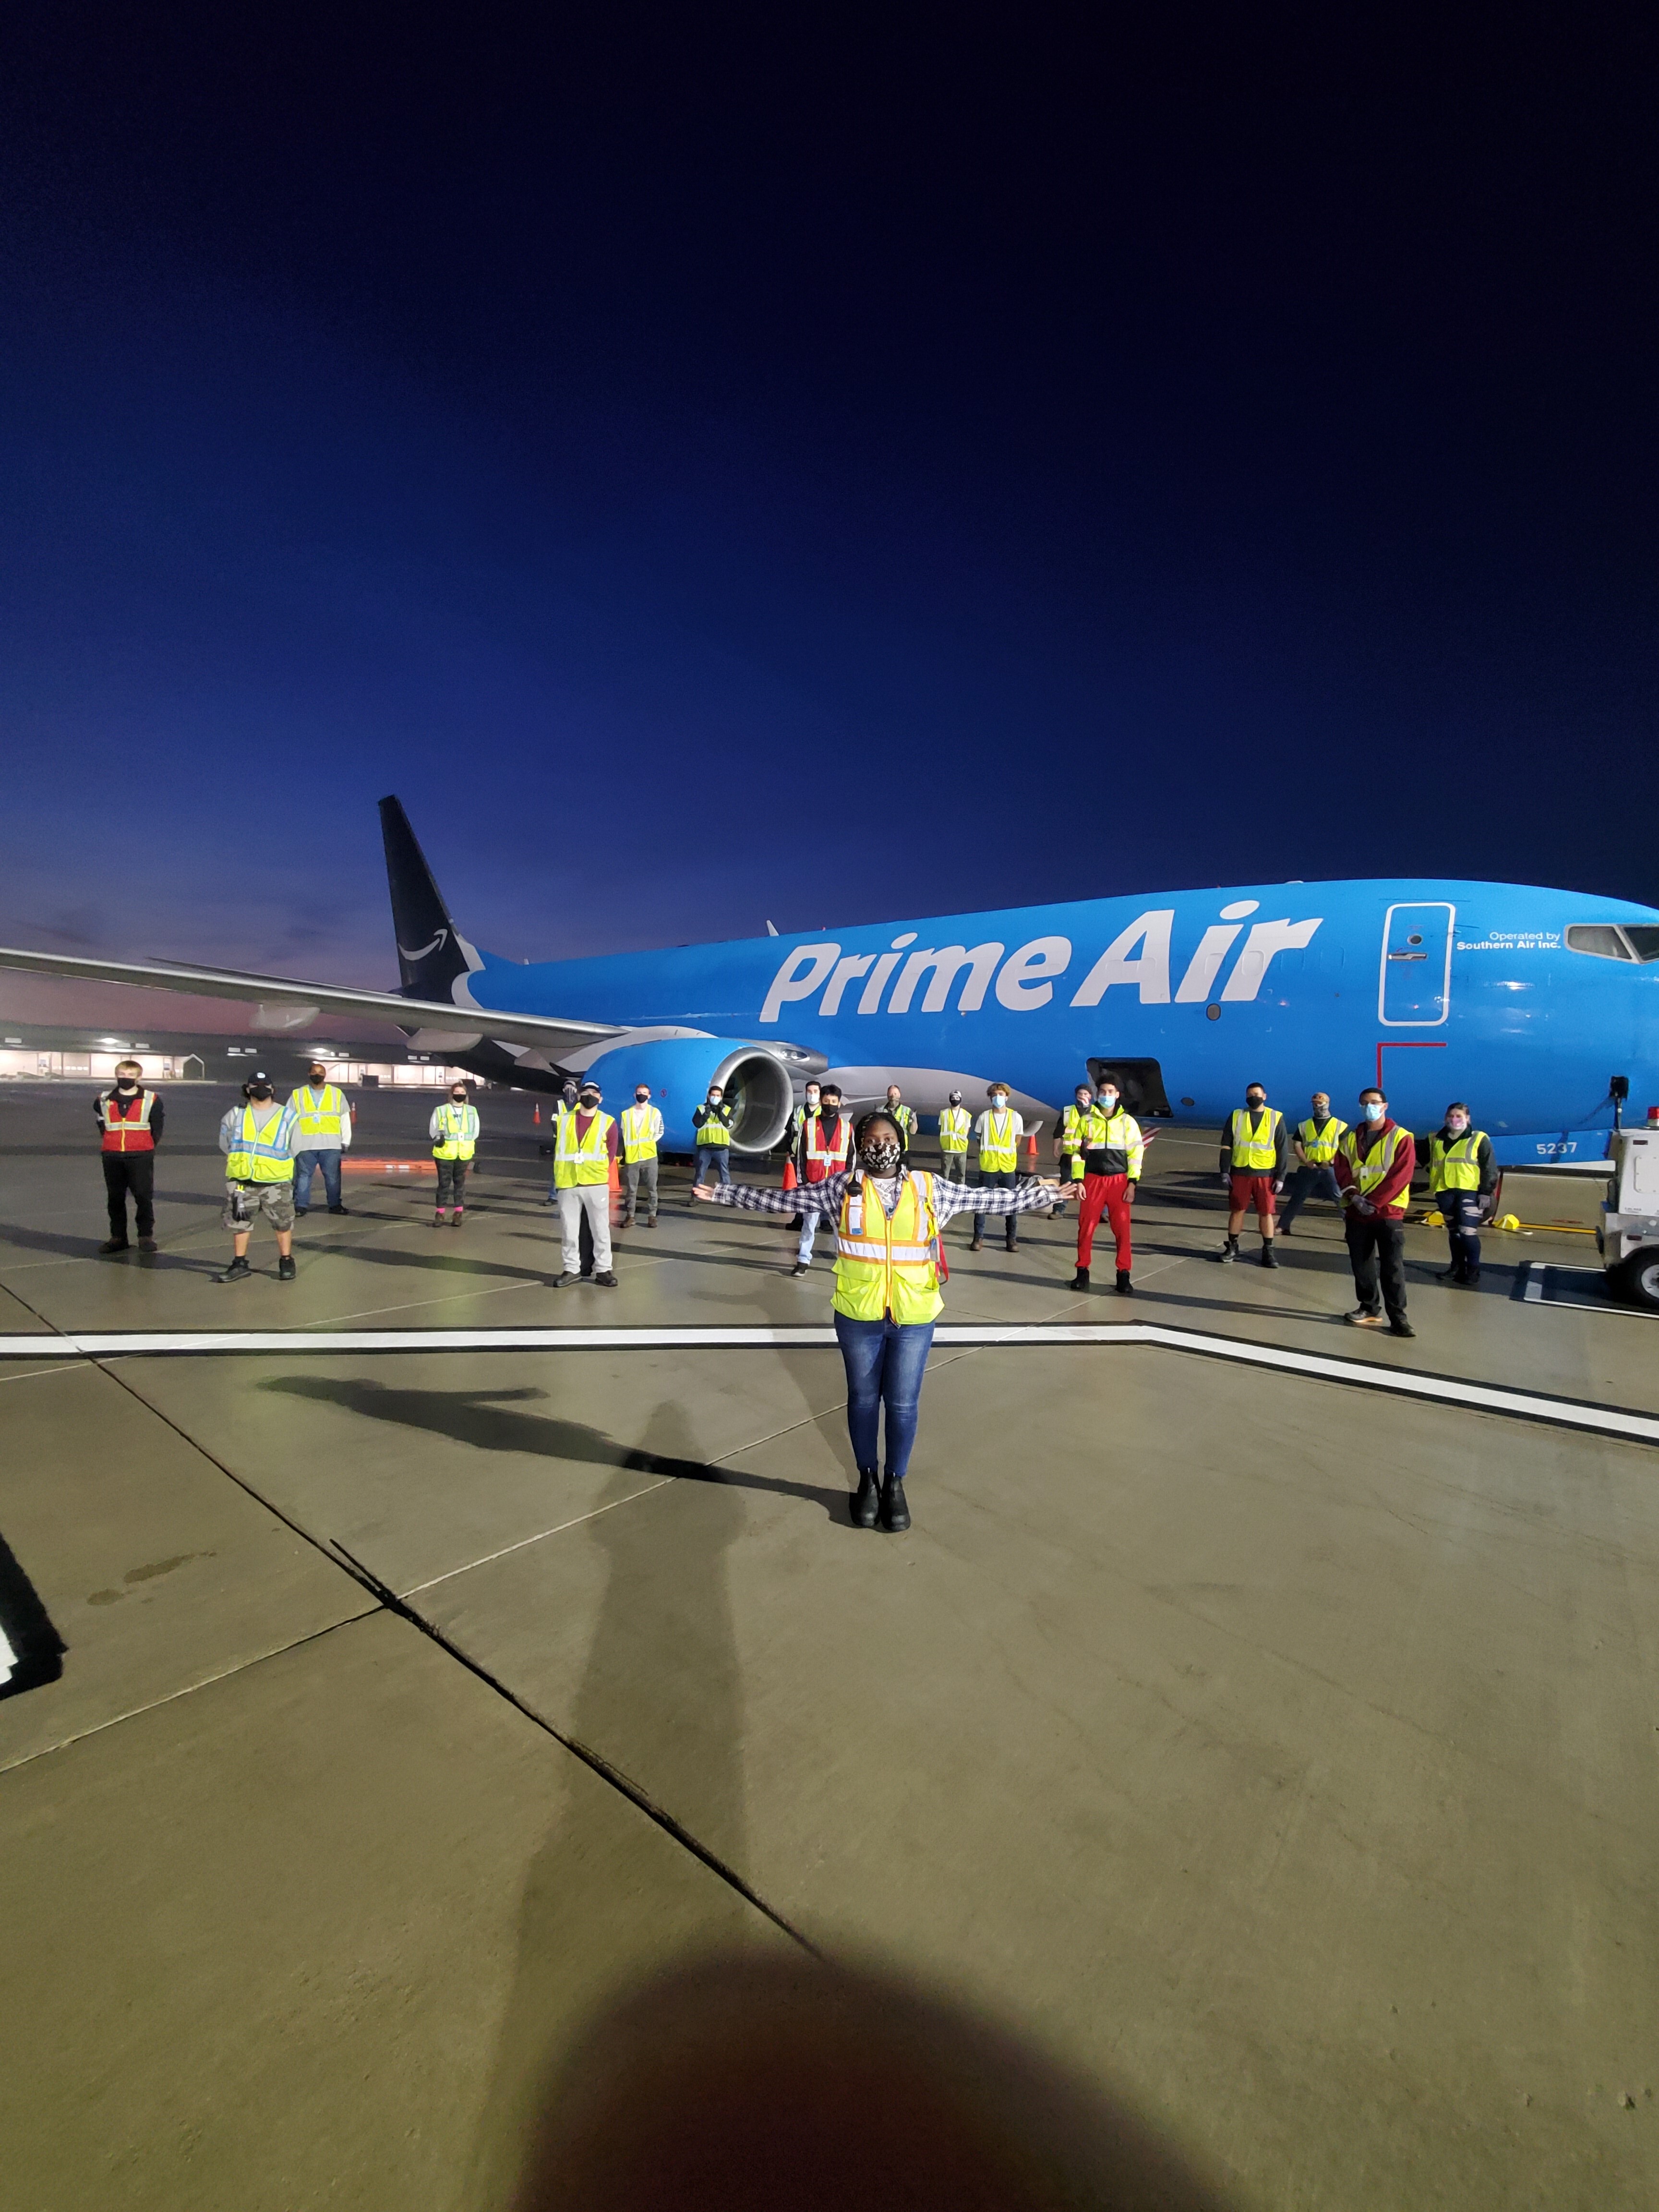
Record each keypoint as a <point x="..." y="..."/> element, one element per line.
<point x="789" y="1176"/>
<point x="615" y="1176"/>
<point x="535" y="1118"/>
<point x="1031" y="1145"/>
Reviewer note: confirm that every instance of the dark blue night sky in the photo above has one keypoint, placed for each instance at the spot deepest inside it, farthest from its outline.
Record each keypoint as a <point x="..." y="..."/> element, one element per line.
<point x="714" y="468"/>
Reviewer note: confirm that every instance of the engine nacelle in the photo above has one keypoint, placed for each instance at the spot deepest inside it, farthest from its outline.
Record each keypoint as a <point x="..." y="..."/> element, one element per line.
<point x="679" y="1071"/>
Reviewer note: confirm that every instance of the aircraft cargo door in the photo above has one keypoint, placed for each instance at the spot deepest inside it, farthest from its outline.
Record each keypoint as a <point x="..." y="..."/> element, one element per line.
<point x="1415" y="991"/>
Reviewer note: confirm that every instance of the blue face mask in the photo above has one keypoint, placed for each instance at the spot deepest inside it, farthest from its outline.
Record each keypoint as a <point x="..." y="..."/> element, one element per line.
<point x="1375" y="1109"/>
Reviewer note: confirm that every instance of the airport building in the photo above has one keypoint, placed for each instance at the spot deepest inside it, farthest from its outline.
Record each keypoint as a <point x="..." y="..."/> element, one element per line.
<point x="34" y="1052"/>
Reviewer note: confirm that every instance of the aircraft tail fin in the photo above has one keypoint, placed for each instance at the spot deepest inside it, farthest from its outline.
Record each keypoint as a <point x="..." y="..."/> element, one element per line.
<point x="430" y="952"/>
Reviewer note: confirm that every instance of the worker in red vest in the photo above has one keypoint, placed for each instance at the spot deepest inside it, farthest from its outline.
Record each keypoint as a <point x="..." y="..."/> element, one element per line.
<point x="129" y="1120"/>
<point x="826" y="1150"/>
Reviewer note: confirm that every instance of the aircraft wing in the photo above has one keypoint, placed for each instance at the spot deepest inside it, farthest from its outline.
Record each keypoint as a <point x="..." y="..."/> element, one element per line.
<point x="473" y="1022"/>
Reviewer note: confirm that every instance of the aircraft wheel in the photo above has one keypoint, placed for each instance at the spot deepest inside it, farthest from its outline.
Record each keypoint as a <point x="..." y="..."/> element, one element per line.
<point x="1637" y="1278"/>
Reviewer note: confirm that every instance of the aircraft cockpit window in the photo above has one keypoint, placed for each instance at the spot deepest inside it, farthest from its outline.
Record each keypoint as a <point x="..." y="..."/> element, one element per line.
<point x="1600" y="937"/>
<point x="1642" y="938"/>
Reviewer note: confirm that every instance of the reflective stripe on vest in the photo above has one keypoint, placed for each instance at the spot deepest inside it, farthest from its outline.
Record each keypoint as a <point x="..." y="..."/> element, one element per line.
<point x="954" y="1124"/>
<point x="1256" y="1151"/>
<point x="1455" y="1167"/>
<point x="1370" y="1173"/>
<point x="713" y="1130"/>
<point x="641" y="1126"/>
<point x="458" y="1125"/>
<point x="259" y="1158"/>
<point x="998" y="1147"/>
<point x="904" y="1120"/>
<point x="1074" y="1125"/>
<point x="888" y="1265"/>
<point x="581" y="1161"/>
<point x="1118" y="1133"/>
<point x="831" y="1158"/>
<point x="1320" y="1145"/>
<point x="321" y="1113"/>
<point x="128" y="1132"/>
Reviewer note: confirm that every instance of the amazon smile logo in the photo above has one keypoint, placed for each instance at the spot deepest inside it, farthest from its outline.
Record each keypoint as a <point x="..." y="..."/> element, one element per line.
<point x="404" y="953"/>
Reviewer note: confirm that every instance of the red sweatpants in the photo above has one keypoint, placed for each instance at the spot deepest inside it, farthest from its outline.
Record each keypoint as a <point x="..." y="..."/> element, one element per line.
<point x="1106" y="1195"/>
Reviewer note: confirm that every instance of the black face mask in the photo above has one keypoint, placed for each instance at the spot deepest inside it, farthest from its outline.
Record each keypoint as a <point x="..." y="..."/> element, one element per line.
<point x="126" y="1083"/>
<point x="258" y="1092"/>
<point x="1255" y="1105"/>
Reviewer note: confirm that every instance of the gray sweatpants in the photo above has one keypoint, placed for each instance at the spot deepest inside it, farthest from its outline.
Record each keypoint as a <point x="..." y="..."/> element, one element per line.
<point x="636" y="1173"/>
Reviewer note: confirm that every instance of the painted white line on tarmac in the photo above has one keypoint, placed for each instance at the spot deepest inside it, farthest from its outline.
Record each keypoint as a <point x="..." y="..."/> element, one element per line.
<point x="1401" y="1382"/>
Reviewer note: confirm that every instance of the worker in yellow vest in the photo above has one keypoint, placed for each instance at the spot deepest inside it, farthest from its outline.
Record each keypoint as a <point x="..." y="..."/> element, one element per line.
<point x="712" y="1123"/>
<point x="889" y="1221"/>
<point x="1000" y="1130"/>
<point x="1256" y="1157"/>
<point x="1314" y="1142"/>
<point x="1374" y="1160"/>
<point x="902" y="1119"/>
<point x="955" y="1127"/>
<point x="641" y="1134"/>
<point x="322" y="1131"/>
<point x="453" y="1130"/>
<point x="1072" y="1141"/>
<point x="256" y="1139"/>
<point x="587" y="1145"/>
<point x="1463" y="1181"/>
<point x="1111" y="1176"/>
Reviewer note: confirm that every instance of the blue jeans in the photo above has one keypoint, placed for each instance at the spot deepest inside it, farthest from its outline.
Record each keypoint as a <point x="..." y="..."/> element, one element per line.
<point x="885" y="1364"/>
<point x="998" y="1179"/>
<point x="1461" y="1211"/>
<point x="1309" y="1181"/>
<point x="329" y="1163"/>
<point x="713" y="1165"/>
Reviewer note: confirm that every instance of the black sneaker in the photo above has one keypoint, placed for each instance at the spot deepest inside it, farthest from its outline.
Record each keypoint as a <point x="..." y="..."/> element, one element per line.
<point x="1471" y="1276"/>
<point x="561" y="1280"/>
<point x="1080" y="1280"/>
<point x="801" y="1267"/>
<point x="238" y="1272"/>
<point x="1400" y="1329"/>
<point x="1126" y="1289"/>
<point x="147" y="1244"/>
<point x="1228" y="1253"/>
<point x="114" y="1244"/>
<point x="285" y="1268"/>
<point x="339" y="1209"/>
<point x="1452" y="1274"/>
<point x="895" y="1513"/>
<point x="300" y="1212"/>
<point x="1269" y="1257"/>
<point x="864" y="1504"/>
<point x="606" y="1281"/>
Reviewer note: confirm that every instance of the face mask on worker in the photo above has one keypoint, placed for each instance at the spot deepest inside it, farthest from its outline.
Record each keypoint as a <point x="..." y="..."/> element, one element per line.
<point x="320" y="1075"/>
<point x="1108" y="1100"/>
<point x="642" y="1097"/>
<point x="258" y="1092"/>
<point x="458" y="1097"/>
<point x="715" y="1096"/>
<point x="956" y="1098"/>
<point x="879" y="1155"/>
<point x="811" y="1093"/>
<point x="999" y="1101"/>
<point x="589" y="1101"/>
<point x="1376" y="1109"/>
<point x="1255" y="1099"/>
<point x="126" y="1083"/>
<point x="1457" y="1123"/>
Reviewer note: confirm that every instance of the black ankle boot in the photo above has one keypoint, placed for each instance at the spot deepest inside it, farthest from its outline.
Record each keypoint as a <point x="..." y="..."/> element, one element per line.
<point x="863" y="1507"/>
<point x="1126" y="1289"/>
<point x="1080" y="1280"/>
<point x="895" y="1513"/>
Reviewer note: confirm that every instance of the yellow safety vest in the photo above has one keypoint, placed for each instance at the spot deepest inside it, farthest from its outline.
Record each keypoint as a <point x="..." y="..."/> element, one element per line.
<point x="1256" y="1151"/>
<point x="954" y="1124"/>
<point x="257" y="1157"/>
<point x="1370" y="1173"/>
<point x="1320" y="1145"/>
<point x="889" y="1265"/>
<point x="1455" y="1167"/>
<point x="1074" y="1125"/>
<point x="1118" y="1133"/>
<point x="581" y="1161"/>
<point x="998" y="1148"/>
<point x="459" y="1125"/>
<point x="713" y="1130"/>
<point x="905" y="1119"/>
<point x="641" y="1126"/>
<point x="322" y="1113"/>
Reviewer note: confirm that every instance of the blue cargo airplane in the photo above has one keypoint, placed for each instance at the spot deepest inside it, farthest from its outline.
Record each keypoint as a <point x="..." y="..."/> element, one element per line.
<point x="1533" y="1005"/>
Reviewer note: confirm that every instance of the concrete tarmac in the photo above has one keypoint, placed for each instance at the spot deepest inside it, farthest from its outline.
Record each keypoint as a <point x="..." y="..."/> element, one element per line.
<point x="1280" y="1754"/>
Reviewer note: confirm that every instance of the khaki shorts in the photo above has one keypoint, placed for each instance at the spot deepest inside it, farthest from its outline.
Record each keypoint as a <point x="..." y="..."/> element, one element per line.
<point x="245" y="1201"/>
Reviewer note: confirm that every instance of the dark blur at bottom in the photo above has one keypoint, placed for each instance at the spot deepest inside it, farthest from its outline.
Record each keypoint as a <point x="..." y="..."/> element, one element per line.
<point x="797" y="2087"/>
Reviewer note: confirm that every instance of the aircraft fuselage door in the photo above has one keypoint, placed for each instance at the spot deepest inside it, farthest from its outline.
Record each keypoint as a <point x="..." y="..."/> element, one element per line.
<point x="1415" y="990"/>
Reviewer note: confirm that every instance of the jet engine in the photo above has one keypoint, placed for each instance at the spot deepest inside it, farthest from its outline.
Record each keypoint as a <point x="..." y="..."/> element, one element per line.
<point x="679" y="1071"/>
